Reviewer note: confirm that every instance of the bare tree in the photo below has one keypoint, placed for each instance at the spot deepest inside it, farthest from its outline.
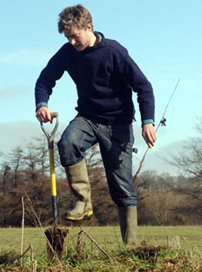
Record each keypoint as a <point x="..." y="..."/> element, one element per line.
<point x="189" y="162"/>
<point x="6" y="170"/>
<point x="16" y="161"/>
<point x="156" y="200"/>
<point x="41" y="148"/>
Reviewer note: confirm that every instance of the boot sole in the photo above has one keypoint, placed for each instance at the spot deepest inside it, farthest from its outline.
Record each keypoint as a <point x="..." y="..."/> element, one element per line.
<point x="86" y="215"/>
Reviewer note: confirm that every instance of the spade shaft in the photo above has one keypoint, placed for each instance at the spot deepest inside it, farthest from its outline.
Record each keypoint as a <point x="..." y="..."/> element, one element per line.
<point x="50" y="138"/>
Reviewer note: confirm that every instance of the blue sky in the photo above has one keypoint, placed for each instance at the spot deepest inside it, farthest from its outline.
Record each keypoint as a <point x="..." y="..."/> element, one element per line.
<point x="163" y="37"/>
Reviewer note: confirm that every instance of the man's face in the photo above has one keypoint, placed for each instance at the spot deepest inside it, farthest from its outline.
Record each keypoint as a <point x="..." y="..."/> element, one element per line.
<point x="80" y="39"/>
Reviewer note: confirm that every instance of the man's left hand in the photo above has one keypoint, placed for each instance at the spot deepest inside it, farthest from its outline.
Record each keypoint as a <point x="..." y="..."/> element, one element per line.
<point x="149" y="134"/>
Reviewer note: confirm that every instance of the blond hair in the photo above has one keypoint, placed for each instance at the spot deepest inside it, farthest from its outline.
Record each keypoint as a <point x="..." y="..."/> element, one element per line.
<point x="75" y="15"/>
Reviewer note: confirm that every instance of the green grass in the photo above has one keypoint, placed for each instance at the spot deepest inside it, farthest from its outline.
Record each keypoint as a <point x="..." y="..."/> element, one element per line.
<point x="186" y="258"/>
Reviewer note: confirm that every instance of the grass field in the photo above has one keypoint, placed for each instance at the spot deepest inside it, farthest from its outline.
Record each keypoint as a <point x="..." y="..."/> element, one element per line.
<point x="188" y="256"/>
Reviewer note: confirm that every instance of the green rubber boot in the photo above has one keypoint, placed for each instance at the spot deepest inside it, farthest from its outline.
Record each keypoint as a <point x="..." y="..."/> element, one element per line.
<point x="128" y="225"/>
<point x="77" y="176"/>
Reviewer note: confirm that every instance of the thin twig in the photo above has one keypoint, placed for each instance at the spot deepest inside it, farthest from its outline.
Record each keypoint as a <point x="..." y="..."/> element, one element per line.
<point x="34" y="263"/>
<point x="22" y="233"/>
<point x="98" y="246"/>
<point x="79" y="244"/>
<point x="17" y="258"/>
<point x="42" y="229"/>
<point x="162" y="120"/>
<point x="140" y="165"/>
<point x="171" y="98"/>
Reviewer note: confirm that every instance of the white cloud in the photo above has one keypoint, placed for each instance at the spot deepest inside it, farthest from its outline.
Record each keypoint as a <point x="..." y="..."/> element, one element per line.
<point x="14" y="91"/>
<point x="158" y="159"/>
<point x="15" y="134"/>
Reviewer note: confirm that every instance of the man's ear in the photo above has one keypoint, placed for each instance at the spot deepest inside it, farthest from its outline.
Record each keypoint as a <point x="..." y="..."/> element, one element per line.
<point x="89" y="27"/>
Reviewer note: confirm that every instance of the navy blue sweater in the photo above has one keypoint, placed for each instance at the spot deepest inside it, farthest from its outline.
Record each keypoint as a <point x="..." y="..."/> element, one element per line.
<point x="105" y="76"/>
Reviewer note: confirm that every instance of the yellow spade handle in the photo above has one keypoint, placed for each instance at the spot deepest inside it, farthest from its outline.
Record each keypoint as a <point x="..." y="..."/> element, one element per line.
<point x="52" y="172"/>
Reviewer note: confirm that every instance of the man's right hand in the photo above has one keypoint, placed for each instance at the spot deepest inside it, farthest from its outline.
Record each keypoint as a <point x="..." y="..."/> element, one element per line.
<point x="44" y="115"/>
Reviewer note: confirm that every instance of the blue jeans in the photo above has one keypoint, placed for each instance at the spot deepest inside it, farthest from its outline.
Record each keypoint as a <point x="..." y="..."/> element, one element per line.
<point x="115" y="142"/>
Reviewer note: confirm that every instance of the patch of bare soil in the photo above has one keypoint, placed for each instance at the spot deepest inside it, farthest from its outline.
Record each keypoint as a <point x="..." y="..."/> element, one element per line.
<point x="55" y="243"/>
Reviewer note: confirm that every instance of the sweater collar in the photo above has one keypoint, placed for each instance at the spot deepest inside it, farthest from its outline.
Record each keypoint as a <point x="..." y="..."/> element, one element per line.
<point x="88" y="49"/>
<point x="99" y="35"/>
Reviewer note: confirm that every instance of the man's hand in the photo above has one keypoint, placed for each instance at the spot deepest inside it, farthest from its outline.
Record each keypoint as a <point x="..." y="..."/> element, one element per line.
<point x="149" y="134"/>
<point x="44" y="115"/>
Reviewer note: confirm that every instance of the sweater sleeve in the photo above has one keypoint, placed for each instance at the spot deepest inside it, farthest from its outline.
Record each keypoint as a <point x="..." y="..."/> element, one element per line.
<point x="143" y="88"/>
<point x="47" y="79"/>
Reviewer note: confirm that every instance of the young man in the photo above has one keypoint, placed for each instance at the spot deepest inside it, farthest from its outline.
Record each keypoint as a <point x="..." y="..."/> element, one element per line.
<point x="105" y="76"/>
